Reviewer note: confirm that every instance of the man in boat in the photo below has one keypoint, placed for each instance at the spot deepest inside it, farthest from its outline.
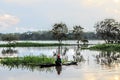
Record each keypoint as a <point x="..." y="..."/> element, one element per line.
<point x="58" y="61"/>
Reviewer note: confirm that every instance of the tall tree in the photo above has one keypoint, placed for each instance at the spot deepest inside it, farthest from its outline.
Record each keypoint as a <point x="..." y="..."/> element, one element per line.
<point x="108" y="29"/>
<point x="10" y="37"/>
<point x="59" y="31"/>
<point x="77" y="31"/>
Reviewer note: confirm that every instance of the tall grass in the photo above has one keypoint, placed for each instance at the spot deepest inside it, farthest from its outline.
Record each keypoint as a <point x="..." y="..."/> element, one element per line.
<point x="106" y="47"/>
<point x="28" y="60"/>
<point x="29" y="44"/>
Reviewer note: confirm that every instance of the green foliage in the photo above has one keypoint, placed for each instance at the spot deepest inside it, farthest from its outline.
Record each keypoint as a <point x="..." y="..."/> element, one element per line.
<point x="106" y="47"/>
<point x="28" y="60"/>
<point x="59" y="31"/>
<point x="48" y="35"/>
<point x="29" y="44"/>
<point x="9" y="37"/>
<point x="77" y="32"/>
<point x="109" y="30"/>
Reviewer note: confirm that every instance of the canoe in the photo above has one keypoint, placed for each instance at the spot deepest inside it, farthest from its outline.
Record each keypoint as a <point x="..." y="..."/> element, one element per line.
<point x="51" y="65"/>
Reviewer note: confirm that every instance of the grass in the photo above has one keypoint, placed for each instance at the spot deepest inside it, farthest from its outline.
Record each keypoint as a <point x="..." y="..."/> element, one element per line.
<point x="106" y="47"/>
<point x="30" y="44"/>
<point x="28" y="60"/>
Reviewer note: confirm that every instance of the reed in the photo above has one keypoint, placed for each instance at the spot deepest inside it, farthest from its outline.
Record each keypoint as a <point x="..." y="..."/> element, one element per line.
<point x="106" y="47"/>
<point x="29" y="44"/>
<point x="28" y="60"/>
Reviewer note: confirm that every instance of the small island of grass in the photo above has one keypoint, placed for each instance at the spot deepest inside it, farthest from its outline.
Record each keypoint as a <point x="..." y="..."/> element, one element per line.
<point x="28" y="60"/>
<point x="30" y="44"/>
<point x="106" y="47"/>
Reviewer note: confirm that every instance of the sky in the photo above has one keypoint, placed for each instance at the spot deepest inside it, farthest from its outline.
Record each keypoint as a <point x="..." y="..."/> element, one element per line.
<point x="36" y="15"/>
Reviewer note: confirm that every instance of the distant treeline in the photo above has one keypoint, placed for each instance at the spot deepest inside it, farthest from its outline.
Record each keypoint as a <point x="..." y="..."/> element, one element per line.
<point x="47" y="35"/>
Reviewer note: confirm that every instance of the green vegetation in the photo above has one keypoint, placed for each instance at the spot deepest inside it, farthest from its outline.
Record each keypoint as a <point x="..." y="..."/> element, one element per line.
<point x="108" y="30"/>
<point x="30" y="44"/>
<point x="28" y="60"/>
<point x="60" y="31"/>
<point x="106" y="47"/>
<point x="48" y="35"/>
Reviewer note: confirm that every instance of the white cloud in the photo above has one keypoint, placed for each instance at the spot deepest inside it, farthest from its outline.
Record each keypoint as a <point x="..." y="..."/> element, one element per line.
<point x="83" y="12"/>
<point x="7" y="20"/>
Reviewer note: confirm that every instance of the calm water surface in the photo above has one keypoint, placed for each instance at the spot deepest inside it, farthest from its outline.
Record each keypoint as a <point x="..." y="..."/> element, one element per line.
<point x="86" y="70"/>
<point x="64" y="41"/>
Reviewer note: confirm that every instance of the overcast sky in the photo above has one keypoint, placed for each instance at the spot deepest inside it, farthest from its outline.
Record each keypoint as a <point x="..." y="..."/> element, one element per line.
<point x="34" y="15"/>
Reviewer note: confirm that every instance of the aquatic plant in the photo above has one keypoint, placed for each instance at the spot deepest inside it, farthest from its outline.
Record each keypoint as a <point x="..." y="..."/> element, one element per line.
<point x="29" y="44"/>
<point x="106" y="47"/>
<point x="28" y="60"/>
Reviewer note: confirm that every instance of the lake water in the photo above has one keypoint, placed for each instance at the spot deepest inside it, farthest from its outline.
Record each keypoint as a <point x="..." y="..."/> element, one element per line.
<point x="64" y="41"/>
<point x="89" y="69"/>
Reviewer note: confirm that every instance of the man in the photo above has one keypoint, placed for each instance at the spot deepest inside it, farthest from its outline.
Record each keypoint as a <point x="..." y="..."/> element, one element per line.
<point x="58" y="61"/>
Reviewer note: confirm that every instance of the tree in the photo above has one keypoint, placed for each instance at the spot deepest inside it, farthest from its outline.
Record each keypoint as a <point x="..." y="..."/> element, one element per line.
<point x="108" y="29"/>
<point x="59" y="31"/>
<point x="9" y="37"/>
<point x="77" y="32"/>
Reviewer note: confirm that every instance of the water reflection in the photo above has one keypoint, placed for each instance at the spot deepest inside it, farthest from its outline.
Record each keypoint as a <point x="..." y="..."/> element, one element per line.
<point x="28" y="67"/>
<point x="64" y="51"/>
<point x="108" y="59"/>
<point x="34" y="68"/>
<point x="9" y="52"/>
<point x="78" y="57"/>
<point x="58" y="69"/>
<point x="95" y="70"/>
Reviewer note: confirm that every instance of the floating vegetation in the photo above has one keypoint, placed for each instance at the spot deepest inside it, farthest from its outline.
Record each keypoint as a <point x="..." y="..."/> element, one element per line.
<point x="106" y="47"/>
<point x="28" y="60"/>
<point x="29" y="44"/>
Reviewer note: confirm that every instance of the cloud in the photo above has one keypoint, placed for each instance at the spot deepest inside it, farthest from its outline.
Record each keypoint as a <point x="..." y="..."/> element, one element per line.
<point x="7" y="20"/>
<point x="47" y="12"/>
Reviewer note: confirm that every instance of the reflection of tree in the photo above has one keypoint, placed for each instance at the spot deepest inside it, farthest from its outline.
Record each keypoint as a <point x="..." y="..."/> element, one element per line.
<point x="108" y="58"/>
<point x="62" y="51"/>
<point x="9" y="52"/>
<point x="30" y="68"/>
<point x="78" y="57"/>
